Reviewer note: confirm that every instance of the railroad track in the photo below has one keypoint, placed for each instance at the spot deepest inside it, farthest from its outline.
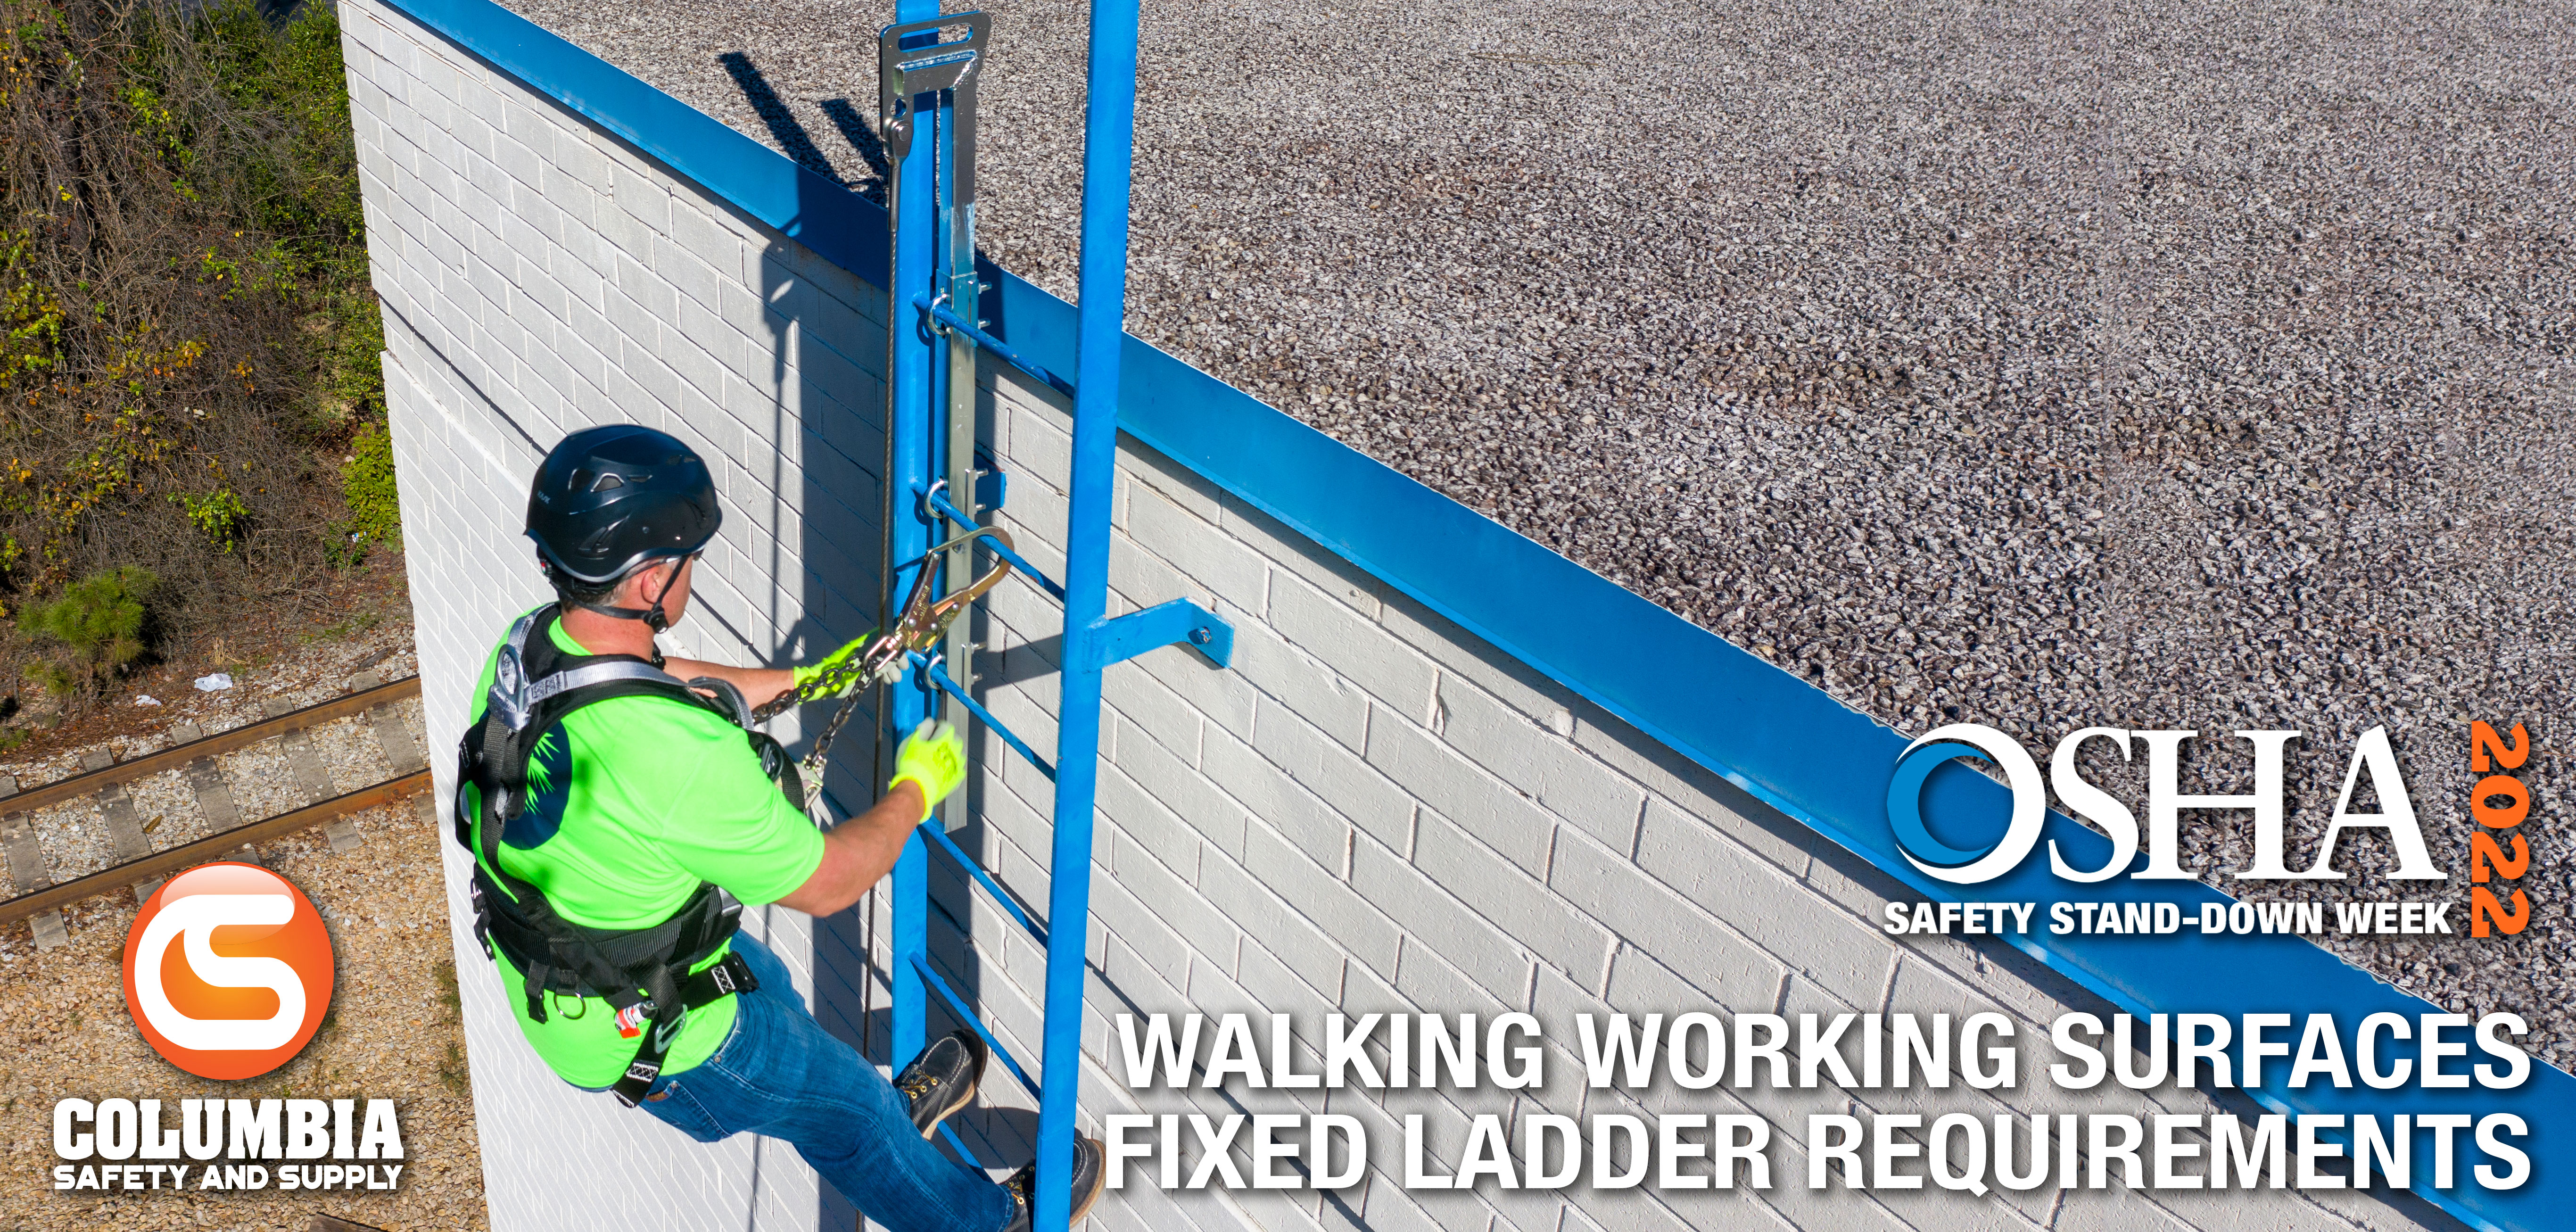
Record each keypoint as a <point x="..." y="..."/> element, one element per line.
<point x="138" y="865"/>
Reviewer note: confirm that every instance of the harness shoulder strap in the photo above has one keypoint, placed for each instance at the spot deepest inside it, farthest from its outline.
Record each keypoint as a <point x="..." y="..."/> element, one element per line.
<point x="535" y="685"/>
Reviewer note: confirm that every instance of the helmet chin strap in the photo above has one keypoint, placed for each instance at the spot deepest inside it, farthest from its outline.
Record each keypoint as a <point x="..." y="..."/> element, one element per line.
<point x="653" y="617"/>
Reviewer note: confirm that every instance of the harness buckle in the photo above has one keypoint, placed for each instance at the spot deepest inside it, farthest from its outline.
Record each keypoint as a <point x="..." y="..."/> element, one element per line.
<point x="537" y="978"/>
<point x="639" y="1079"/>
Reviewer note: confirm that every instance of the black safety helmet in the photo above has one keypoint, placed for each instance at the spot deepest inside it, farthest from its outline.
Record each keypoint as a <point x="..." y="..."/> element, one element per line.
<point x="609" y="500"/>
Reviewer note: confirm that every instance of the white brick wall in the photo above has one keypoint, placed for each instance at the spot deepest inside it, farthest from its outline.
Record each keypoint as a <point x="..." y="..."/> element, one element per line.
<point x="1372" y="811"/>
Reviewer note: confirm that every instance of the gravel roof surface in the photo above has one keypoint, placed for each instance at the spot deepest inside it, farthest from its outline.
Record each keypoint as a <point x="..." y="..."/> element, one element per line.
<point x="2163" y="364"/>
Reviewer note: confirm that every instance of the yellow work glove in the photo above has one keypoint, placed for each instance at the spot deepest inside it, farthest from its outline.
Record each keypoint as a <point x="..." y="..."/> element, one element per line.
<point x="809" y="672"/>
<point x="934" y="758"/>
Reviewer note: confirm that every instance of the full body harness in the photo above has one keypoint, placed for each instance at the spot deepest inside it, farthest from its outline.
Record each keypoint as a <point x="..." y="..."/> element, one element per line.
<point x="535" y="686"/>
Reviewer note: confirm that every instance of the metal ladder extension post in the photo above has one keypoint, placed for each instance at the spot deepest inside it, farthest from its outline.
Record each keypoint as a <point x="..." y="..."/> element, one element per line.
<point x="911" y="183"/>
<point x="926" y="115"/>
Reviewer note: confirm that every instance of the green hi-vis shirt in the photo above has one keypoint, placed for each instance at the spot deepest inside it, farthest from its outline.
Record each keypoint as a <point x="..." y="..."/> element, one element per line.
<point x="632" y="802"/>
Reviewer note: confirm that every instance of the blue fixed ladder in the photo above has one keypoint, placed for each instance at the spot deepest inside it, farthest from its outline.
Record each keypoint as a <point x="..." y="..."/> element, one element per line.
<point x="928" y="63"/>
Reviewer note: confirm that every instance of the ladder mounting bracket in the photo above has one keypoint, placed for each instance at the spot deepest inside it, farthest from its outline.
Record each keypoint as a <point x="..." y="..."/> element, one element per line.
<point x="1115" y="641"/>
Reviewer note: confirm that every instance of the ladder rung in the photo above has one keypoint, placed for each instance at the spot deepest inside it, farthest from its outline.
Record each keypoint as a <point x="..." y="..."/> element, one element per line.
<point x="975" y="869"/>
<point x="940" y="314"/>
<point x="954" y="514"/>
<point x="960" y="1143"/>
<point x="976" y="708"/>
<point x="957" y="1005"/>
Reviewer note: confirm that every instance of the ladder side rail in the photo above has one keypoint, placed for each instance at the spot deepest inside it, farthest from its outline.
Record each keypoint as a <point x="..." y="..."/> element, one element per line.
<point x="1109" y="125"/>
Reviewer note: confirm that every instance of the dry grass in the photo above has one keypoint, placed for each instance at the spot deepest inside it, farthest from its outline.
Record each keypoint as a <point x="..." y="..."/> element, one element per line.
<point x="187" y="341"/>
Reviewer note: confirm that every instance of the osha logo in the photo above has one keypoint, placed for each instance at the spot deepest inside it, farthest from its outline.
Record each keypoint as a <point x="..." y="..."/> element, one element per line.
<point x="228" y="971"/>
<point x="1935" y="749"/>
<point x="2166" y="801"/>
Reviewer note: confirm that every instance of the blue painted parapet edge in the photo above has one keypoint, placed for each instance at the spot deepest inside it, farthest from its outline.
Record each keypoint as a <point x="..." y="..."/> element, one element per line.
<point x="1781" y="739"/>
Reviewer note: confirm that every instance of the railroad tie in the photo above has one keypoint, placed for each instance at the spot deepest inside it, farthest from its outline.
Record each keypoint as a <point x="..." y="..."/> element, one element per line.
<point x="27" y="870"/>
<point x="312" y="776"/>
<point x="124" y="828"/>
<point x="392" y="736"/>
<point x="214" y="796"/>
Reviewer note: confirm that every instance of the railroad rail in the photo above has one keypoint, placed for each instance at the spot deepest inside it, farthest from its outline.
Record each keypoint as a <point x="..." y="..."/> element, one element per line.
<point x="40" y="899"/>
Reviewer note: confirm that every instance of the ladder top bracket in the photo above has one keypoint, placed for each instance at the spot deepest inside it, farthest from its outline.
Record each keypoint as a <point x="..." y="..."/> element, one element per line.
<point x="1180" y="620"/>
<point x="904" y="72"/>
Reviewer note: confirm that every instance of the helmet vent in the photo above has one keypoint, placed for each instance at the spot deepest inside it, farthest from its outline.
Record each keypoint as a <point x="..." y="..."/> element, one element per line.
<point x="607" y="482"/>
<point x="600" y="539"/>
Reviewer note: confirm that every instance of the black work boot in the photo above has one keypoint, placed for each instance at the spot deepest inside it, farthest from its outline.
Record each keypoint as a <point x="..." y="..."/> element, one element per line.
<point x="942" y="1079"/>
<point x="1087" y="1177"/>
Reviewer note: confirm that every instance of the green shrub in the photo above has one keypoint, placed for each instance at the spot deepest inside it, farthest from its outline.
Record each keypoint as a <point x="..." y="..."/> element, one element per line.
<point x="218" y="515"/>
<point x="375" y="508"/>
<point x="99" y="623"/>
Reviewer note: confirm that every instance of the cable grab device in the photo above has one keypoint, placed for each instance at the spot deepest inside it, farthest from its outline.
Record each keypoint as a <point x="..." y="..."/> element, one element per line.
<point x="937" y="496"/>
<point x="921" y="627"/>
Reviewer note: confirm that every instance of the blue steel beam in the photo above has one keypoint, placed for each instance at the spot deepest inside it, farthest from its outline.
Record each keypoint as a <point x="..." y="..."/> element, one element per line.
<point x="1108" y="136"/>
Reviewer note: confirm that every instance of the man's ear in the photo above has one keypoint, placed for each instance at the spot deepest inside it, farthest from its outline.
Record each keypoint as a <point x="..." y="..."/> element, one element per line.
<point x="635" y="590"/>
<point x="655" y="580"/>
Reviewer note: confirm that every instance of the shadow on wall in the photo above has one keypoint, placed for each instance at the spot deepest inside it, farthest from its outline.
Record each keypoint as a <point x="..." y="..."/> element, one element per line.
<point x="826" y="376"/>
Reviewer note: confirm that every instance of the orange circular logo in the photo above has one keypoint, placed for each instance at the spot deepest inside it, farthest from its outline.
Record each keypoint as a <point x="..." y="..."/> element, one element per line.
<point x="228" y="971"/>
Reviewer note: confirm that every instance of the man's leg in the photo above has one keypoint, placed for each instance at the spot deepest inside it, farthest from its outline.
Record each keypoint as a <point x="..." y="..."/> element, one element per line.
<point x="780" y="1074"/>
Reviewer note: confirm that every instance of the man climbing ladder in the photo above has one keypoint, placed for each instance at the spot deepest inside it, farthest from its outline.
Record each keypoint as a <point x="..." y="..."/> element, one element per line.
<point x="621" y="811"/>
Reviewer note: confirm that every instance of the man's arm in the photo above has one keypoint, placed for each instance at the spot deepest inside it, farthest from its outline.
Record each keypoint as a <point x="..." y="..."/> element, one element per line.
<point x="859" y="851"/>
<point x="758" y="684"/>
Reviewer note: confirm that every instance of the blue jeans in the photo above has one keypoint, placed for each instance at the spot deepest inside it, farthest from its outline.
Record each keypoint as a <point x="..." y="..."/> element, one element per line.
<point x="779" y="1074"/>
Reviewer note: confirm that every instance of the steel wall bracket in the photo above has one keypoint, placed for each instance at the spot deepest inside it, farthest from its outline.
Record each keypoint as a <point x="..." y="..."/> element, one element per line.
<point x="1116" y="641"/>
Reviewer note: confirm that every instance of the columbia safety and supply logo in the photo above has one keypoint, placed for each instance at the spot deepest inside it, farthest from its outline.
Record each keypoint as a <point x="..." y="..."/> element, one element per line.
<point x="228" y="971"/>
